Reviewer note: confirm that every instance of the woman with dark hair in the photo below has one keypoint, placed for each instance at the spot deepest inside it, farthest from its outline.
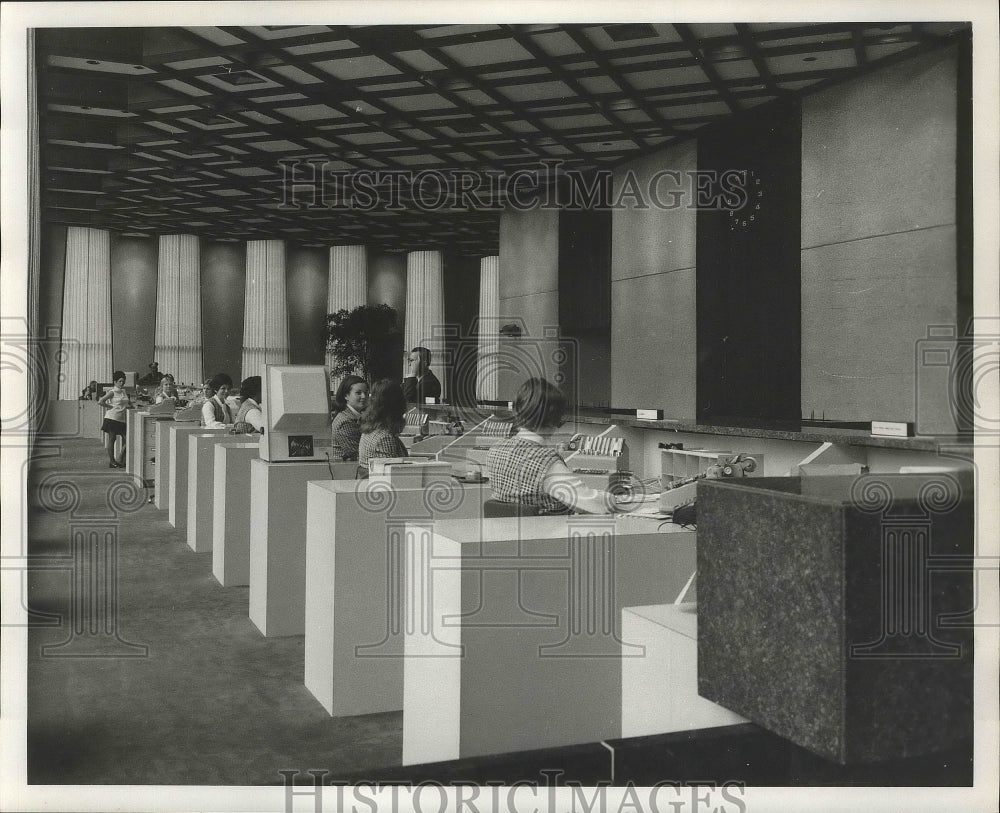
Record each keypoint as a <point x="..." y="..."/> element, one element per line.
<point x="249" y="418"/>
<point x="116" y="400"/>
<point x="350" y="400"/>
<point x="215" y="413"/>
<point x="527" y="469"/>
<point x="382" y="421"/>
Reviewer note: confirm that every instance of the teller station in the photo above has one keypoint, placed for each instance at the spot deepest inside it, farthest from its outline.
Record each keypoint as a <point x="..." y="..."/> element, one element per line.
<point x="775" y="578"/>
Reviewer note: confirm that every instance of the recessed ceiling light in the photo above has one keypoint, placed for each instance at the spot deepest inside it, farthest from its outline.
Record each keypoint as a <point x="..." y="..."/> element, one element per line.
<point x="621" y="104"/>
<point x="240" y="78"/>
<point x="809" y="59"/>
<point x="626" y="32"/>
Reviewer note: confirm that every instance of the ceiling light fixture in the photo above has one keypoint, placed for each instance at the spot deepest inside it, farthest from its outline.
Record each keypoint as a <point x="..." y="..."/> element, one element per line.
<point x="621" y="104"/>
<point x="455" y="84"/>
<point x="626" y="32"/>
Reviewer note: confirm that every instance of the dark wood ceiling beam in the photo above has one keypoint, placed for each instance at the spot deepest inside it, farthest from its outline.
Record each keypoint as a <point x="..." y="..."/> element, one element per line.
<point x="619" y="123"/>
<point x="475" y="112"/>
<point x="322" y="98"/>
<point x="709" y="69"/>
<point x="628" y="89"/>
<point x="750" y="45"/>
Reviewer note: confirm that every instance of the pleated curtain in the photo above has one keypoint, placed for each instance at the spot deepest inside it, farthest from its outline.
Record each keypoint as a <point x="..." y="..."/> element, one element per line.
<point x="425" y="308"/>
<point x="36" y="393"/>
<point x="348" y="284"/>
<point x="489" y="329"/>
<point x="265" y="312"/>
<point x="177" y="340"/>
<point x="85" y="351"/>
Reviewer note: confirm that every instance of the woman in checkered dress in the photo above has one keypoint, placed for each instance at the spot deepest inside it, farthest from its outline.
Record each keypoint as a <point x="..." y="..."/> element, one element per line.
<point x="382" y="421"/>
<point x="527" y="469"/>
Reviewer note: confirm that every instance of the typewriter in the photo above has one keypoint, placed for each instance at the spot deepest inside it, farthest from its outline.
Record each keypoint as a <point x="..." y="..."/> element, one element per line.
<point x="601" y="461"/>
<point x="415" y="429"/>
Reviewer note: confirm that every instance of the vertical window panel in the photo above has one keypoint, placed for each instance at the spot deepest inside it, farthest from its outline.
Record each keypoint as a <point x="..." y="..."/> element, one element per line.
<point x="85" y="351"/>
<point x="177" y="339"/>
<point x="265" y="314"/>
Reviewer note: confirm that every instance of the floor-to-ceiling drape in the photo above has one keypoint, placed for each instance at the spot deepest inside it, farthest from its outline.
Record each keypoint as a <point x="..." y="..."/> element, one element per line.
<point x="488" y="329"/>
<point x="348" y="284"/>
<point x="177" y="342"/>
<point x="265" y="312"/>
<point x="424" y="324"/>
<point x="85" y="351"/>
<point x="35" y="393"/>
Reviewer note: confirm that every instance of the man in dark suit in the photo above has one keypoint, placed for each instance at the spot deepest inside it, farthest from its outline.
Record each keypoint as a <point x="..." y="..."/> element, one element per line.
<point x="421" y="383"/>
<point x="154" y="376"/>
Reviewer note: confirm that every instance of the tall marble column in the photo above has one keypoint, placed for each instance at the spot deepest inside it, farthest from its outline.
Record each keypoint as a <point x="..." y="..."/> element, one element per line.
<point x="177" y="337"/>
<point x="425" y="307"/>
<point x="265" y="315"/>
<point x="85" y="352"/>
<point x="489" y="329"/>
<point x="348" y="286"/>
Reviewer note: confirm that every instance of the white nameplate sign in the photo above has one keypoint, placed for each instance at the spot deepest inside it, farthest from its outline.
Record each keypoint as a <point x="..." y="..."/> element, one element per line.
<point x="649" y="414"/>
<point x="891" y="429"/>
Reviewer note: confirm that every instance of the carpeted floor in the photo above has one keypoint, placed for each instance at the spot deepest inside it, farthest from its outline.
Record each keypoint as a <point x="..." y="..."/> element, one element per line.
<point x="211" y="702"/>
<point x="175" y="686"/>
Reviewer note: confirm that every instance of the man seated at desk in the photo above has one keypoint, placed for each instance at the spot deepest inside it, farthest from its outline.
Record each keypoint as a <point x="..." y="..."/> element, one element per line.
<point x="153" y="377"/>
<point x="421" y="383"/>
<point x="528" y="470"/>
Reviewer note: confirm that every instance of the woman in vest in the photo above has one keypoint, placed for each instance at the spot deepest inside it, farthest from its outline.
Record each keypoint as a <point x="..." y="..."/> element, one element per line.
<point x="215" y="412"/>
<point x="350" y="401"/>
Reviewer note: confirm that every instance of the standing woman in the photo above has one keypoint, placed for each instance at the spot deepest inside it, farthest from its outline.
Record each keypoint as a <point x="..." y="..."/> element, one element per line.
<point x="382" y="421"/>
<point x="116" y="401"/>
<point x="350" y="400"/>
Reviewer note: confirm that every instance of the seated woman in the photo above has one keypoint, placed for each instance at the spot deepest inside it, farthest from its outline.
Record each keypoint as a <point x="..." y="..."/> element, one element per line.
<point x="523" y="469"/>
<point x="116" y="401"/>
<point x="215" y="412"/>
<point x="249" y="418"/>
<point x="381" y="422"/>
<point x="350" y="400"/>
<point x="167" y="389"/>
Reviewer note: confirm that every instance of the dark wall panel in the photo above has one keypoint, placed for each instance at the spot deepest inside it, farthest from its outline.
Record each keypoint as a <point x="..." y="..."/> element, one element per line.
<point x="748" y="275"/>
<point x="585" y="303"/>
<point x="223" y="287"/>
<point x="133" y="301"/>
<point x="306" y="287"/>
<point x="461" y="307"/>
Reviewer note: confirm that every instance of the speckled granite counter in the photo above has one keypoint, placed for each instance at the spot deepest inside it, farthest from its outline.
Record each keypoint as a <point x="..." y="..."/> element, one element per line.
<point x="830" y="609"/>
<point x="956" y="445"/>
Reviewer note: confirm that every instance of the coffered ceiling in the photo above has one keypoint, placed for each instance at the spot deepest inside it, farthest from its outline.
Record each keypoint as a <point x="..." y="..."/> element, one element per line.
<point x="200" y="130"/>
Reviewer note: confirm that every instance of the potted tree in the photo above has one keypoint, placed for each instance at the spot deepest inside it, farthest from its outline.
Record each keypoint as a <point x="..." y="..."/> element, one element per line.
<point x="364" y="341"/>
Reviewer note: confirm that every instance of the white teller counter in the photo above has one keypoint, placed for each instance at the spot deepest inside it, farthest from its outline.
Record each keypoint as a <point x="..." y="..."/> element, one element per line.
<point x="354" y="577"/>
<point x="201" y="488"/>
<point x="278" y="541"/>
<point x="178" y="434"/>
<point x="231" y="511"/>
<point x="515" y="638"/>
